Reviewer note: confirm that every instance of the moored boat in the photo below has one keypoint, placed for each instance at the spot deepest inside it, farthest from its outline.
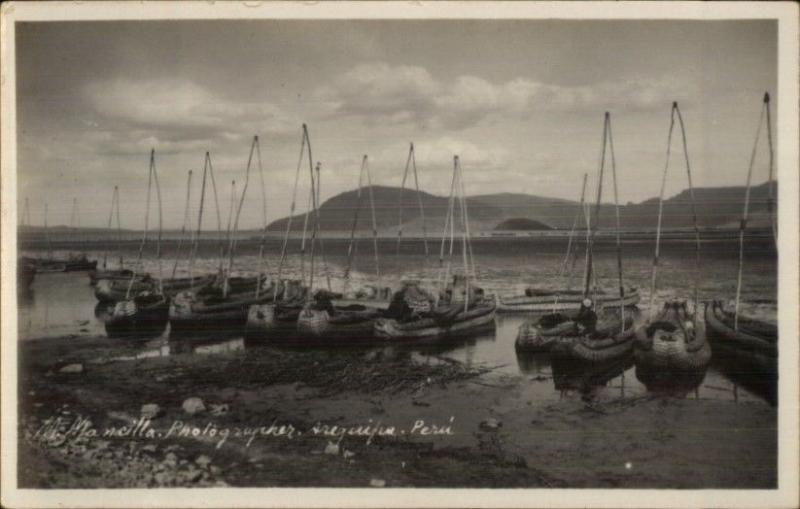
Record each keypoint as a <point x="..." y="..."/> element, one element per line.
<point x="442" y="322"/>
<point x="143" y="316"/>
<point x="670" y="350"/>
<point x="567" y="301"/>
<point x="114" y="290"/>
<point x="755" y="341"/>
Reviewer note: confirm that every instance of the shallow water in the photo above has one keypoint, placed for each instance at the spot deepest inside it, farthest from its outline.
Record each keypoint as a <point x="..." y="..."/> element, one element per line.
<point x="60" y="305"/>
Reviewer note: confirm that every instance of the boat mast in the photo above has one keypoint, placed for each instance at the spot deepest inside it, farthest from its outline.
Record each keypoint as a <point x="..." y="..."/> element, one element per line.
<point x="352" y="245"/>
<point x="565" y="264"/>
<point x="694" y="215"/>
<point x="314" y="228"/>
<point x="419" y="200"/>
<point x="219" y="216"/>
<point x="232" y="240"/>
<point x="183" y="226"/>
<point x="596" y="219"/>
<point x="464" y="232"/>
<point x="228" y="233"/>
<point x="110" y="219"/>
<point x="771" y="198"/>
<point x="291" y="213"/>
<point x="196" y="236"/>
<point x="137" y="266"/>
<point x="449" y="220"/>
<point x="311" y="197"/>
<point x="160" y="228"/>
<point x="119" y="231"/>
<point x="374" y="225"/>
<point x="321" y="244"/>
<point x="619" y="240"/>
<point x="745" y="212"/>
<point x="261" y="269"/>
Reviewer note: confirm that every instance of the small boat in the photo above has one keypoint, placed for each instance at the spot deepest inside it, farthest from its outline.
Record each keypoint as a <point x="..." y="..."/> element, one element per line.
<point x="669" y="351"/>
<point x="71" y="264"/>
<point x="210" y="309"/>
<point x="752" y="343"/>
<point x="110" y="274"/>
<point x="142" y="313"/>
<point x="277" y="320"/>
<point x="755" y="340"/>
<point x="442" y="322"/>
<point x="143" y="316"/>
<point x="321" y="319"/>
<point x="114" y="290"/>
<point x="538" y="300"/>
<point x="566" y="334"/>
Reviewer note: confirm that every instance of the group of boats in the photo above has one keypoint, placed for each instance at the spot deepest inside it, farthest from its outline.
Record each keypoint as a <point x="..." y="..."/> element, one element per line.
<point x="590" y="325"/>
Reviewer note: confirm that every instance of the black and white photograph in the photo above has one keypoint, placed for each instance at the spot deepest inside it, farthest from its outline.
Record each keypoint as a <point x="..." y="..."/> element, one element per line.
<point x="292" y="246"/>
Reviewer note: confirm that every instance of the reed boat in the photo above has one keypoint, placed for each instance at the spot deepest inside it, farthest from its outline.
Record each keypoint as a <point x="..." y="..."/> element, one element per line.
<point x="144" y="316"/>
<point x="353" y="322"/>
<point x="669" y="350"/>
<point x="110" y="274"/>
<point x="538" y="300"/>
<point x="278" y="319"/>
<point x="209" y="308"/>
<point x="566" y="334"/>
<point x="754" y="341"/>
<point x="441" y="322"/>
<point x="71" y="264"/>
<point x="114" y="290"/>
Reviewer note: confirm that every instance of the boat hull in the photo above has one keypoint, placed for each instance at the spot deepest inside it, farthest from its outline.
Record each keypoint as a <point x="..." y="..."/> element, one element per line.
<point x="272" y="322"/>
<point x="553" y="303"/>
<point x="133" y="321"/>
<point x="189" y="314"/>
<point x="746" y="345"/>
<point x="478" y="318"/>
<point x="344" y="325"/>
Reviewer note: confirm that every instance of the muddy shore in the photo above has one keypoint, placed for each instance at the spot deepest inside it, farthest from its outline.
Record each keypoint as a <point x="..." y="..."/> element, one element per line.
<point x="92" y="414"/>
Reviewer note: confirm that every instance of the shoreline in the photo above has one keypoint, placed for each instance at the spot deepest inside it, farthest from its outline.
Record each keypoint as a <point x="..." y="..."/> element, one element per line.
<point x="453" y="425"/>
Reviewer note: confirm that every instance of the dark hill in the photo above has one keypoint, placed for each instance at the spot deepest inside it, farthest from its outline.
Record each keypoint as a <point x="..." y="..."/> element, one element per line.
<point x="521" y="224"/>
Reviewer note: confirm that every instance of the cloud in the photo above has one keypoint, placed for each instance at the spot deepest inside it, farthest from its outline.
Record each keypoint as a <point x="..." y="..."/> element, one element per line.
<point x="380" y="93"/>
<point x="175" y="115"/>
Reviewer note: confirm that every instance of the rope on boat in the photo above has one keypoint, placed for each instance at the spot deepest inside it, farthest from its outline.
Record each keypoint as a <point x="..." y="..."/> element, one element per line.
<point x="745" y="213"/>
<point x="146" y="224"/>
<point x="232" y="240"/>
<point x="291" y="214"/>
<point x="616" y="211"/>
<point x="183" y="225"/>
<point x="261" y="262"/>
<point x="196" y="236"/>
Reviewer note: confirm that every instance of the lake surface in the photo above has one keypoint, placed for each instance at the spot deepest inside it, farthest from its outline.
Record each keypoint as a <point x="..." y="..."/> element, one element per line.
<point x="61" y="305"/>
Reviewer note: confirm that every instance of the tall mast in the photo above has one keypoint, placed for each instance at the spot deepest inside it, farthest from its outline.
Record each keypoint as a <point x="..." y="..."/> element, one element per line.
<point x="110" y="219"/>
<point x="137" y="266"/>
<point x="119" y="230"/>
<point x="261" y="270"/>
<point x="321" y="244"/>
<point x="619" y="240"/>
<point x="596" y="218"/>
<point x="228" y="234"/>
<point x="232" y="241"/>
<point x="291" y="212"/>
<point x="745" y="212"/>
<point x="196" y="236"/>
<point x="185" y="221"/>
<point x="351" y="247"/>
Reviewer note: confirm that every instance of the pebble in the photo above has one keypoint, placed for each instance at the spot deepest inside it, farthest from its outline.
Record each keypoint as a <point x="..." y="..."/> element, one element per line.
<point x="332" y="448"/>
<point x="203" y="461"/>
<point x="193" y="406"/>
<point x="151" y="411"/>
<point x="377" y="483"/>
<point x="72" y="368"/>
<point x="491" y="424"/>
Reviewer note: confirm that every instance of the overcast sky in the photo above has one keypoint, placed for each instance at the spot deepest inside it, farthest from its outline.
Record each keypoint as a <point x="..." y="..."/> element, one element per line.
<point x="521" y="102"/>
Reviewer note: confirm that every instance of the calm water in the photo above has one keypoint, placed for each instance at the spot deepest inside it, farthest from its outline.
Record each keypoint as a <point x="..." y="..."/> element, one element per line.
<point x="60" y="305"/>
